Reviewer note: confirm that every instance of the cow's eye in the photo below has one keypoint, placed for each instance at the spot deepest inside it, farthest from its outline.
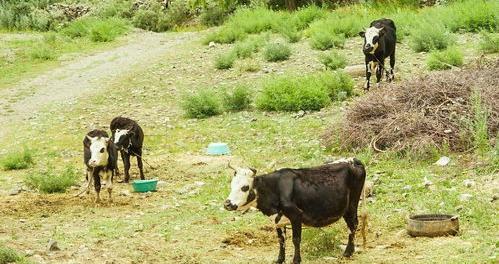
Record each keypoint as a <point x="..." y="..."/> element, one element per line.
<point x="375" y="39"/>
<point x="245" y="188"/>
<point x="102" y="150"/>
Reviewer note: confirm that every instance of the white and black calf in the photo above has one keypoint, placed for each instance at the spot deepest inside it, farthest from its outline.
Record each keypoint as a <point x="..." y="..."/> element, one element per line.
<point x="379" y="43"/>
<point x="316" y="197"/>
<point x="99" y="156"/>
<point x="128" y="138"/>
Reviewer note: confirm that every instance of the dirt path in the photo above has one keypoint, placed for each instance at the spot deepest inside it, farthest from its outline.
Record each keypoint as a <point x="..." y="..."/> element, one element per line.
<point x="83" y="76"/>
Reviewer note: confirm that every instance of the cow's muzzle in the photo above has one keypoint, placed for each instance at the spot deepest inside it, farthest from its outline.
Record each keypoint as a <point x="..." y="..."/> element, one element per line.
<point x="229" y="206"/>
<point x="368" y="48"/>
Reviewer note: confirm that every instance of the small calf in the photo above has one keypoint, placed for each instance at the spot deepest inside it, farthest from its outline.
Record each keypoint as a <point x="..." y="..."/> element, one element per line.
<point x="128" y="137"/>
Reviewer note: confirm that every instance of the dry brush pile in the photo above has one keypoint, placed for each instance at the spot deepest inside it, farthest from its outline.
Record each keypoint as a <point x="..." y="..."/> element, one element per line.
<point x="425" y="112"/>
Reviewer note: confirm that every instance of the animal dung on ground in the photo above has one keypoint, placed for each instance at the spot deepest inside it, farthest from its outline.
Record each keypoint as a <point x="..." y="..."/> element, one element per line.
<point x="432" y="225"/>
<point x="218" y="148"/>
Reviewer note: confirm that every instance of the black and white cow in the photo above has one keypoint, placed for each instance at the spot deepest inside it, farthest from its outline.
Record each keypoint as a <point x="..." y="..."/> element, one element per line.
<point x="100" y="157"/>
<point x="128" y="138"/>
<point x="316" y="197"/>
<point x="379" y="43"/>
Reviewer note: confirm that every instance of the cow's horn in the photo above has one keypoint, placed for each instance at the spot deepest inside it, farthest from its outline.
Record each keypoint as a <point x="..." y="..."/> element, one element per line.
<point x="230" y="166"/>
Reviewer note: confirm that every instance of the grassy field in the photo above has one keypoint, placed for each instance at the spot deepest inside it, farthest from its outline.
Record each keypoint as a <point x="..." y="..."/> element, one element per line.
<point x="184" y="221"/>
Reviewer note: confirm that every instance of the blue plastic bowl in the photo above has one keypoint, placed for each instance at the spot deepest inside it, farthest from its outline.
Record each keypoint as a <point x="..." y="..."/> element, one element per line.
<point x="144" y="185"/>
<point x="218" y="149"/>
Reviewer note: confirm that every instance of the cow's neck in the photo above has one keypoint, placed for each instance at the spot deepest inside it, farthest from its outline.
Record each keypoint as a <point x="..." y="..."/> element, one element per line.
<point x="267" y="200"/>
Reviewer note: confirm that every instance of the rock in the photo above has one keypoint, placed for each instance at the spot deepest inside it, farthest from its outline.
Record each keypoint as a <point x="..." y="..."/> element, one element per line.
<point x="465" y="197"/>
<point x="212" y="44"/>
<point x="426" y="182"/>
<point x="495" y="197"/>
<point x="29" y="253"/>
<point x="161" y="183"/>
<point x="469" y="183"/>
<point x="447" y="131"/>
<point x="125" y="193"/>
<point x="443" y="161"/>
<point x="407" y="188"/>
<point x="22" y="220"/>
<point x="15" y="191"/>
<point x="299" y="114"/>
<point x="52" y="245"/>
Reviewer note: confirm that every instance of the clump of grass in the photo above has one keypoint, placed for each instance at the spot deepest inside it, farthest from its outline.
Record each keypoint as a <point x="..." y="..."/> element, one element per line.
<point x="108" y="29"/>
<point x="302" y="18"/>
<point x="470" y="16"/>
<point x="8" y="255"/>
<point x="323" y="40"/>
<point x="203" y="104"/>
<point x="489" y="42"/>
<point x="226" y="35"/>
<point x="445" y="59"/>
<point x="246" y="48"/>
<point x="225" y="61"/>
<point x="239" y="99"/>
<point x="18" y="160"/>
<point x="43" y="52"/>
<point x="480" y="127"/>
<point x="289" y="31"/>
<point x="319" y="243"/>
<point x="310" y="92"/>
<point x="213" y="15"/>
<point x="50" y="181"/>
<point x="333" y="60"/>
<point x="79" y="28"/>
<point x="249" y="65"/>
<point x="430" y="36"/>
<point x="277" y="52"/>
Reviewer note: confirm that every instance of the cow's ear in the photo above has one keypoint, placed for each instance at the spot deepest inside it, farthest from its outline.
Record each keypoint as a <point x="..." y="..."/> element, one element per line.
<point x="254" y="171"/>
<point x="362" y="33"/>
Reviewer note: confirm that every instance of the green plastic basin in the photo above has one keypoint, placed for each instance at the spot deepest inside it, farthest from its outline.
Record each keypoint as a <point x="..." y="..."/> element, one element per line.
<point x="144" y="185"/>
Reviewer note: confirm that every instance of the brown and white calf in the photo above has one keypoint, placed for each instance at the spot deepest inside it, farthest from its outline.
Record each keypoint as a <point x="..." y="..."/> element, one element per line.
<point x="99" y="156"/>
<point x="316" y="197"/>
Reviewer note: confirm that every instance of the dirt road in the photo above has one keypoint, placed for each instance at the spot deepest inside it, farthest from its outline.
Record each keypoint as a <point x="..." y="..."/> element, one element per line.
<point x="83" y="76"/>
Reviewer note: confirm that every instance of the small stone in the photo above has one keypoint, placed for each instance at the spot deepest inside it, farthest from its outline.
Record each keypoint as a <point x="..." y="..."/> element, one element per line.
<point x="427" y="183"/>
<point x="29" y="253"/>
<point x="495" y="197"/>
<point x="407" y="188"/>
<point x="125" y="193"/>
<point x="469" y="183"/>
<point x="212" y="44"/>
<point x="443" y="161"/>
<point x="15" y="191"/>
<point x="22" y="220"/>
<point x="465" y="197"/>
<point x="52" y="245"/>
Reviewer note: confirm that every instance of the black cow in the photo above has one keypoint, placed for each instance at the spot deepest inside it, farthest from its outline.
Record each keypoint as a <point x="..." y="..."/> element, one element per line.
<point x="379" y="43"/>
<point x="100" y="158"/>
<point x="316" y="197"/>
<point x="128" y="138"/>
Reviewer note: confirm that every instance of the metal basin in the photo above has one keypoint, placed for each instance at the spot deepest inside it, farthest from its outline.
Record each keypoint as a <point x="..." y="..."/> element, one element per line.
<point x="432" y="225"/>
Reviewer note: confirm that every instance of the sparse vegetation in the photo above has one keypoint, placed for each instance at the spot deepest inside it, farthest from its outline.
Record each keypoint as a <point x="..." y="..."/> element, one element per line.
<point x="445" y="59"/>
<point x="17" y="160"/>
<point x="430" y="35"/>
<point x="202" y="104"/>
<point x="480" y="130"/>
<point x="51" y="181"/>
<point x="8" y="256"/>
<point x="43" y="52"/>
<point x="107" y="30"/>
<point x="489" y="42"/>
<point x="333" y="60"/>
<point x="277" y="52"/>
<point x="225" y="61"/>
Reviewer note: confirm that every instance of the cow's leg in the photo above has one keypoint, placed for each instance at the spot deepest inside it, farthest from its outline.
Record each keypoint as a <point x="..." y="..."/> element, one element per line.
<point x="352" y="222"/>
<point x="392" y="66"/>
<point x="368" y="75"/>
<point x="97" y="185"/>
<point x="126" y="164"/>
<point x="89" y="178"/>
<point x="139" y="163"/>
<point x="296" y="225"/>
<point x="109" y="184"/>
<point x="379" y="72"/>
<point x="282" y="244"/>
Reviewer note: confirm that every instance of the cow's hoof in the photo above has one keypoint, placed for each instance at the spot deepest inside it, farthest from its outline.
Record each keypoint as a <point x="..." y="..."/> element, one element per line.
<point x="348" y="253"/>
<point x="279" y="261"/>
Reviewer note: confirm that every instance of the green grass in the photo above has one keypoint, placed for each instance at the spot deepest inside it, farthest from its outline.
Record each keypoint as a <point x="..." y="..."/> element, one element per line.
<point x="237" y="100"/>
<point x="489" y="42"/>
<point x="225" y="61"/>
<point x="276" y="52"/>
<point x="108" y="30"/>
<point x="8" y="256"/>
<point x="480" y="130"/>
<point x="333" y="60"/>
<point x="51" y="181"/>
<point x="430" y="35"/>
<point x="445" y="59"/>
<point x="322" y="40"/>
<point x="310" y="92"/>
<point x="202" y="104"/>
<point x="17" y="160"/>
<point x="246" y="48"/>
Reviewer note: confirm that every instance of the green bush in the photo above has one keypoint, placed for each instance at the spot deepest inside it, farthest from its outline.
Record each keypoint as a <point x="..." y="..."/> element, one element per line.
<point x="108" y="29"/>
<point x="489" y="42"/>
<point x="226" y="35"/>
<point x="323" y="40"/>
<point x="146" y="19"/>
<point x="213" y="16"/>
<point x="277" y="52"/>
<point x="249" y="65"/>
<point x="445" y="59"/>
<point x="290" y="32"/>
<point x="43" y="52"/>
<point x="49" y="181"/>
<point x="17" y="160"/>
<point x="178" y="12"/>
<point x="302" y="18"/>
<point x="333" y="60"/>
<point x="79" y="28"/>
<point x="430" y="35"/>
<point x="8" y="256"/>
<point x="470" y="15"/>
<point x="24" y="15"/>
<point x="225" y="61"/>
<point x="246" y="48"/>
<point x="238" y="100"/>
<point x="310" y="92"/>
<point x="203" y="104"/>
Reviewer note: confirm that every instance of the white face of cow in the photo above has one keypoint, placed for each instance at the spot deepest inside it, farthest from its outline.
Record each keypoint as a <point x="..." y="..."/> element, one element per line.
<point x="371" y="39"/>
<point x="120" y="137"/>
<point x="98" y="151"/>
<point x="241" y="195"/>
